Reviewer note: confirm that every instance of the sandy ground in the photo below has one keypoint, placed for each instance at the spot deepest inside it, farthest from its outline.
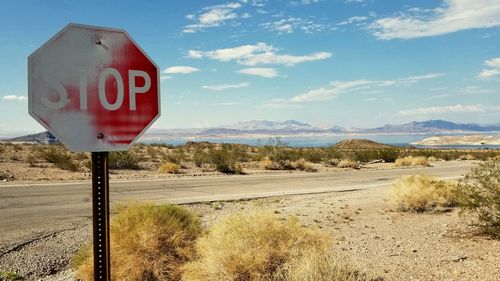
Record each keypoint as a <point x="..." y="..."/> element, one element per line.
<point x="363" y="225"/>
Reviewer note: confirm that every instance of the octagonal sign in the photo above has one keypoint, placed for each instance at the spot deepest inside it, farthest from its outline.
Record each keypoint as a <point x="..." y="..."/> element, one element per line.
<point x="93" y="88"/>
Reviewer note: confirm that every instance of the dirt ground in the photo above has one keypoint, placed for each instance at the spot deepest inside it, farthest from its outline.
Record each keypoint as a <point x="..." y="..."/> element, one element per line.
<point x="366" y="231"/>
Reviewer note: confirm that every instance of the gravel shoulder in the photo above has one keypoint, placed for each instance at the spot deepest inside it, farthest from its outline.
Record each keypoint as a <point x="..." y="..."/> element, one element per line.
<point x="362" y="223"/>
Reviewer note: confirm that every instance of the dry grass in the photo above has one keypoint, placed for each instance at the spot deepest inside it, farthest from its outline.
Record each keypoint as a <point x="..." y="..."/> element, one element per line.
<point x="348" y="163"/>
<point x="466" y="157"/>
<point x="148" y="242"/>
<point x="320" y="266"/>
<point x="304" y="165"/>
<point x="420" y="193"/>
<point x="251" y="246"/>
<point x="257" y="246"/>
<point x="411" y="161"/>
<point x="267" y="164"/>
<point x="169" y="168"/>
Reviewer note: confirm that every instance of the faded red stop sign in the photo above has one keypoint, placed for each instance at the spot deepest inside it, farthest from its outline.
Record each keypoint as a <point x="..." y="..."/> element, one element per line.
<point x="93" y="88"/>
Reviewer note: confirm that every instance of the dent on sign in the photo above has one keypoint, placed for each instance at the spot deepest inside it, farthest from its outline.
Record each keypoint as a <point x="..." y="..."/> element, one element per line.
<point x="91" y="81"/>
<point x="62" y="94"/>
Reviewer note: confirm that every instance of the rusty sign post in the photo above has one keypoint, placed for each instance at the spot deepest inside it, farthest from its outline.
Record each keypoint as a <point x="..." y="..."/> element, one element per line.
<point x="97" y="91"/>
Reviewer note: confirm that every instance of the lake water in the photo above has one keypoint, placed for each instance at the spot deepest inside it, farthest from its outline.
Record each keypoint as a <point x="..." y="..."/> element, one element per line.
<point x="323" y="141"/>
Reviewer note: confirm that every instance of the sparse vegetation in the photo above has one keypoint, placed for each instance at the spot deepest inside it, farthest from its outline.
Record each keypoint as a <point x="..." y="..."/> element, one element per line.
<point x="348" y="163"/>
<point x="60" y="157"/>
<point x="10" y="276"/>
<point x="259" y="246"/>
<point x="148" y="242"/>
<point x="124" y="160"/>
<point x="420" y="193"/>
<point x="205" y="157"/>
<point x="224" y="161"/>
<point x="169" y="168"/>
<point x="479" y="194"/>
<point x="411" y="161"/>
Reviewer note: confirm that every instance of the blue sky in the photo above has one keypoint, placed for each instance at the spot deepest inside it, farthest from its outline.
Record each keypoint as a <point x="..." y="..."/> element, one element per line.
<point x="353" y="63"/>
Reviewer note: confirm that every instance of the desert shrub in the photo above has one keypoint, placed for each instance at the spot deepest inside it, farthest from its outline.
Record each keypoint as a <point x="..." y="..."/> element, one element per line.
<point x="224" y="161"/>
<point x="479" y="194"/>
<point x="169" y="168"/>
<point x="320" y="266"/>
<point x="348" y="163"/>
<point x="432" y="159"/>
<point x="389" y="155"/>
<point x="312" y="155"/>
<point x="253" y="246"/>
<point x="200" y="157"/>
<point x="124" y="160"/>
<point x="268" y="164"/>
<point x="466" y="157"/>
<point x="411" y="161"/>
<point x="332" y="162"/>
<point x="304" y="165"/>
<point x="10" y="276"/>
<point x="59" y="157"/>
<point x="175" y="156"/>
<point x="420" y="193"/>
<point x="148" y="242"/>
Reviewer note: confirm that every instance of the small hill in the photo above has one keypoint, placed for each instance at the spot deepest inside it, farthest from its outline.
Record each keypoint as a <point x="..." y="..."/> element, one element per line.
<point x="360" y="144"/>
<point x="43" y="137"/>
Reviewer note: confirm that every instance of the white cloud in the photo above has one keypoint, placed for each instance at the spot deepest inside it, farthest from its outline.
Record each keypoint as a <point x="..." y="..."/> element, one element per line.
<point x="453" y="16"/>
<point x="352" y="20"/>
<point x="15" y="98"/>
<point x="180" y="70"/>
<point x="225" y="86"/>
<point x="279" y="104"/>
<point x="337" y="88"/>
<point x="457" y="108"/>
<point x="260" y="71"/>
<point x="260" y="53"/>
<point x="212" y="16"/>
<point x="292" y="24"/>
<point x="492" y="69"/>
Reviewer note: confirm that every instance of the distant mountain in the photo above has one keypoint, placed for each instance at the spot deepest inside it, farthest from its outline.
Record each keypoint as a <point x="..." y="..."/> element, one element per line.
<point x="432" y="126"/>
<point x="291" y="128"/>
<point x="43" y="137"/>
<point x="269" y="125"/>
<point x="264" y="127"/>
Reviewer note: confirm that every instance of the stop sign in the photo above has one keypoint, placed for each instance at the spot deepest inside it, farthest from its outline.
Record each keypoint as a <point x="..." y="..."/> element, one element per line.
<point x="93" y="88"/>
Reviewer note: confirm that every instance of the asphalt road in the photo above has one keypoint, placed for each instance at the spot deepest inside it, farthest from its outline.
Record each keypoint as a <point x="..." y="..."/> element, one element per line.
<point x="33" y="210"/>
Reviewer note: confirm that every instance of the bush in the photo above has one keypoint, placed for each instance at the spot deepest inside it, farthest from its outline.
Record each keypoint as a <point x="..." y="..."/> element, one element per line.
<point x="224" y="161"/>
<point x="479" y="194"/>
<point x="60" y="158"/>
<point x="420" y="193"/>
<point x="268" y="164"/>
<point x="200" y="157"/>
<point x="347" y="163"/>
<point x="304" y="165"/>
<point x="169" y="168"/>
<point x="252" y="246"/>
<point x="466" y="157"/>
<point x="411" y="161"/>
<point x="124" y="160"/>
<point x="148" y="242"/>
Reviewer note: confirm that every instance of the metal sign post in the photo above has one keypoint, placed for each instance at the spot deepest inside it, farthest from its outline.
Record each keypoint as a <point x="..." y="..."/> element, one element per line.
<point x="100" y="215"/>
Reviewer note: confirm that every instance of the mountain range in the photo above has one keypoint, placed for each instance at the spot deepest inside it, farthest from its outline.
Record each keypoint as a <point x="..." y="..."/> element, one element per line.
<point x="293" y="127"/>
